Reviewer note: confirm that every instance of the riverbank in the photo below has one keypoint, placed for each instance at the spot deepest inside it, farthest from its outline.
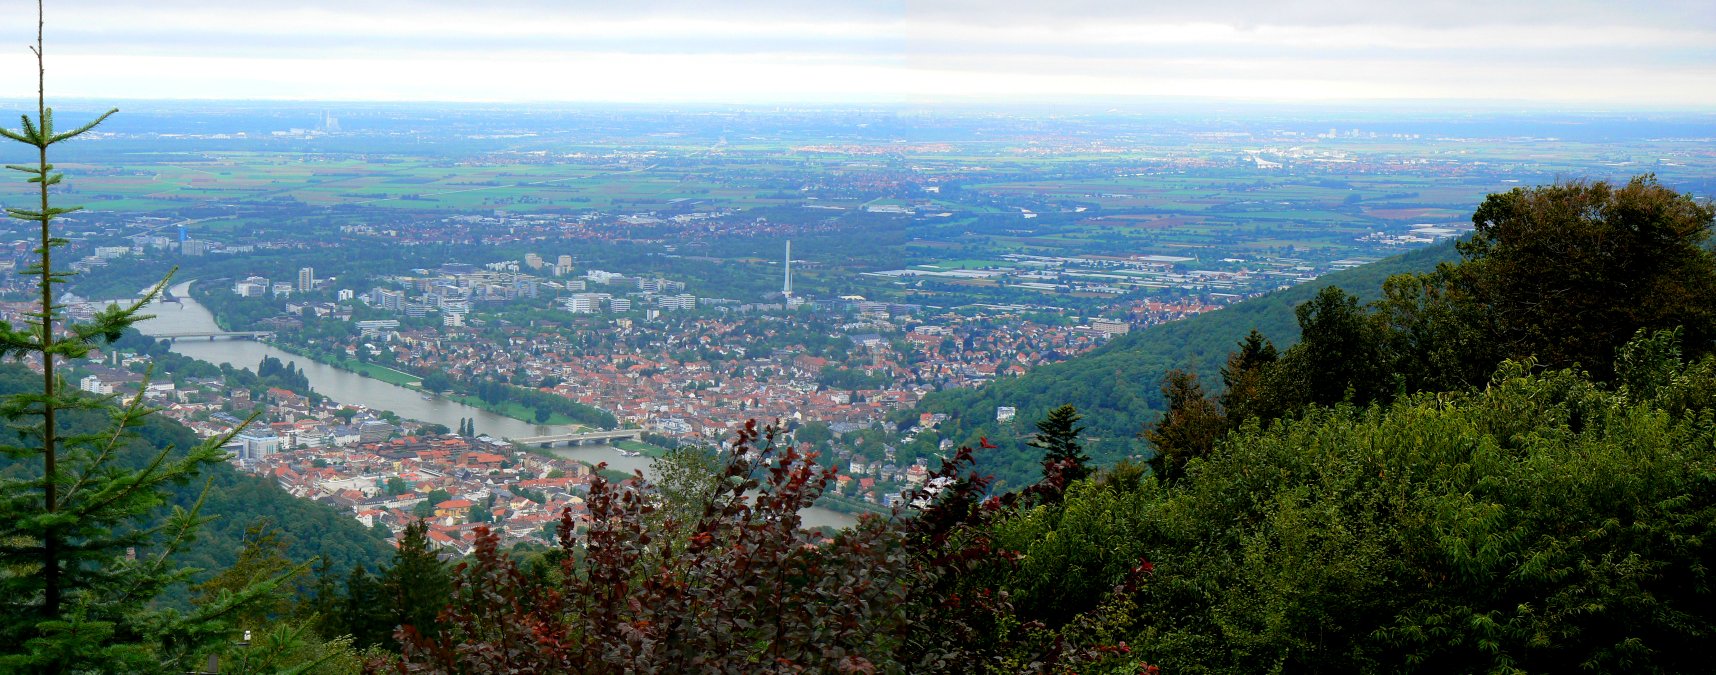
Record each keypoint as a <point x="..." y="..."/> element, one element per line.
<point x="415" y="383"/>
<point x="852" y="507"/>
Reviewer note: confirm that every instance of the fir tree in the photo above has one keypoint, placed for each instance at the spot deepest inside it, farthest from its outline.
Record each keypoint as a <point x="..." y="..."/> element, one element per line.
<point x="1189" y="429"/>
<point x="262" y="558"/>
<point x="1057" y="437"/>
<point x="418" y="584"/>
<point x="83" y="544"/>
<point x="364" y="614"/>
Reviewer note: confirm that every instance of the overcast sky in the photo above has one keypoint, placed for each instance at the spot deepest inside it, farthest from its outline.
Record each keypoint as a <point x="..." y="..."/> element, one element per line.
<point x="1612" y="54"/>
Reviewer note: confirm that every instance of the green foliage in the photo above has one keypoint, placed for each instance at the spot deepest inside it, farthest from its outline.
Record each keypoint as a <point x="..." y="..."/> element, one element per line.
<point x="686" y="478"/>
<point x="1568" y="272"/>
<point x="544" y="404"/>
<point x="262" y="558"/>
<point x="437" y="382"/>
<point x="1543" y="524"/>
<point x="1057" y="437"/>
<point x="1188" y="430"/>
<point x="417" y="585"/>
<point x="1117" y="385"/>
<point x="1339" y="355"/>
<point x="1073" y="553"/>
<point x="83" y="544"/>
<point x="1546" y="522"/>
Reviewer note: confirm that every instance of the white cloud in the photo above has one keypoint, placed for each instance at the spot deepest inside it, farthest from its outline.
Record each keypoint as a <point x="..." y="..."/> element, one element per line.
<point x="1585" y="52"/>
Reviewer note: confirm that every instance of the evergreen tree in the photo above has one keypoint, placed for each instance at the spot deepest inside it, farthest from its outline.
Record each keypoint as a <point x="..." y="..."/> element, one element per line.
<point x="1339" y="355"/>
<point x="262" y="558"/>
<point x="324" y="603"/>
<point x="364" y="614"/>
<point x="1188" y="430"/>
<point x="1243" y="379"/>
<point x="83" y="545"/>
<point x="1057" y="437"/>
<point x="418" y="584"/>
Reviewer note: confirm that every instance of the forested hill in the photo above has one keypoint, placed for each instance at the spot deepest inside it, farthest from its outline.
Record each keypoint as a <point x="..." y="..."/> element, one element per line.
<point x="236" y="500"/>
<point x="1118" y="386"/>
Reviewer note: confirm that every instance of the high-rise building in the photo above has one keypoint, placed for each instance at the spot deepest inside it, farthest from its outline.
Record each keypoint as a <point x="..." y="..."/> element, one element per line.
<point x="306" y="279"/>
<point x="563" y="268"/>
<point x="533" y="261"/>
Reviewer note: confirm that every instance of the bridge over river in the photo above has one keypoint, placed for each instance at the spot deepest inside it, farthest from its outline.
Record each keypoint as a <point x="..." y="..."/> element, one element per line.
<point x="585" y="438"/>
<point x="215" y="334"/>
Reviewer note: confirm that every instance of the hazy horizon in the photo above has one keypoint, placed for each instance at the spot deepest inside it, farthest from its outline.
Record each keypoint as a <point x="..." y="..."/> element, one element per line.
<point x="1583" y="55"/>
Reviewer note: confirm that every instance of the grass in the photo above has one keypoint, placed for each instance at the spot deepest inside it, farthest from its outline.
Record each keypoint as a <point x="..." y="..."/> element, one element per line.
<point x="514" y="410"/>
<point x="382" y="373"/>
<point x="648" y="449"/>
<point x="378" y="372"/>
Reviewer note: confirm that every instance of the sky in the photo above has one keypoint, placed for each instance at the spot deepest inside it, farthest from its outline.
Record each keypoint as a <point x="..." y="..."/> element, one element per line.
<point x="1575" y="54"/>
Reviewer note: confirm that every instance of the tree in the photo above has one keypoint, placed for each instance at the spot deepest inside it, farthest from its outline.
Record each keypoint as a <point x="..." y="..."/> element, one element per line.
<point x="1188" y="430"/>
<point x="82" y="540"/>
<point x="1544" y="523"/>
<point x="397" y="486"/>
<point x="1244" y="378"/>
<point x="1057" y="437"/>
<point x="1339" y="356"/>
<point x="262" y="558"/>
<point x="364" y="614"/>
<point x="1568" y="272"/>
<point x="417" y="585"/>
<point x="686" y="478"/>
<point x="437" y="382"/>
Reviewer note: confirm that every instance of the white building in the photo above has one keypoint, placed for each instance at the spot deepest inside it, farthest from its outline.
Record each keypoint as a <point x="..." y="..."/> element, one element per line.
<point x="94" y="385"/>
<point x="257" y="445"/>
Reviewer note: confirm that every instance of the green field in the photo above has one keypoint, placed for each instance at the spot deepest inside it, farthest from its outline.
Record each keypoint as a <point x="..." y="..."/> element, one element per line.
<point x="648" y="449"/>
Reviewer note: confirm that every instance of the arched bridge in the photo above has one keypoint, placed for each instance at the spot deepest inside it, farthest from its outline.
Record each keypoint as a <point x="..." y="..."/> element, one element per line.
<point x="586" y="438"/>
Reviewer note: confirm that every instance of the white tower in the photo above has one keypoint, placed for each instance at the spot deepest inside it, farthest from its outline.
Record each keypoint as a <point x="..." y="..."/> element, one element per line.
<point x="786" y="285"/>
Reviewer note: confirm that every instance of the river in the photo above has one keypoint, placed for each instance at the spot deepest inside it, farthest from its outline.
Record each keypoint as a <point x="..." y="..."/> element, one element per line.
<point x="348" y="387"/>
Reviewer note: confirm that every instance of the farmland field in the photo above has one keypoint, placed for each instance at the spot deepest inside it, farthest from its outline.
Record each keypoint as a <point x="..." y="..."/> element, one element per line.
<point x="862" y="191"/>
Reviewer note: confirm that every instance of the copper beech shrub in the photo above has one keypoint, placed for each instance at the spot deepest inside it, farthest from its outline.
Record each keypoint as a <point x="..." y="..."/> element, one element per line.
<point x="747" y="589"/>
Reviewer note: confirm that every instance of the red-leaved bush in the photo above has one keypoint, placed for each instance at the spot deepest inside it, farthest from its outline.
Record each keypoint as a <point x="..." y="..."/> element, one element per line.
<point x="744" y="589"/>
